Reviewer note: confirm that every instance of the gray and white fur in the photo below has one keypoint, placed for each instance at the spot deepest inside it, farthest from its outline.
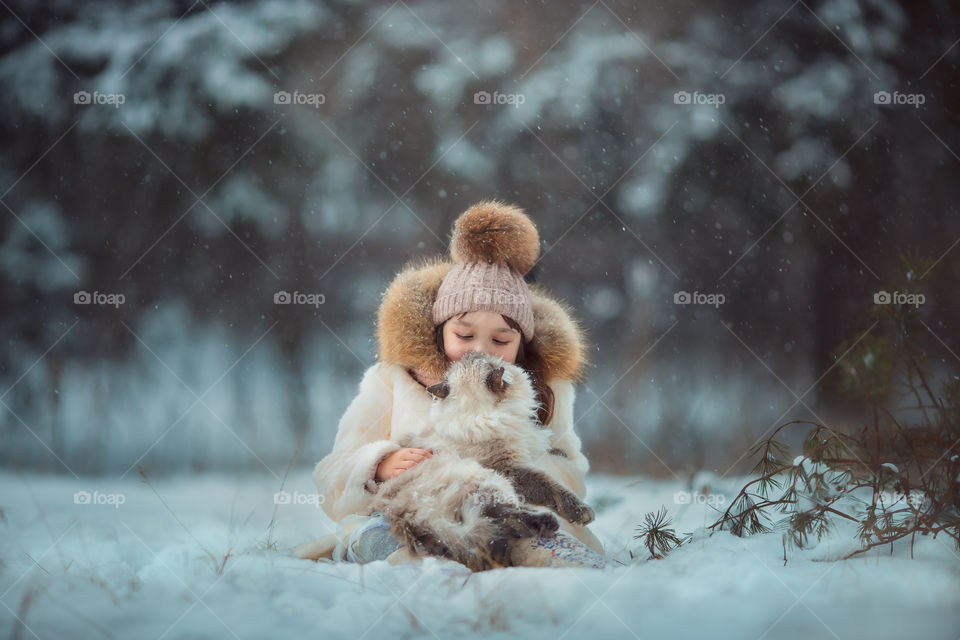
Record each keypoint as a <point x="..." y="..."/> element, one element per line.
<point x="476" y="500"/>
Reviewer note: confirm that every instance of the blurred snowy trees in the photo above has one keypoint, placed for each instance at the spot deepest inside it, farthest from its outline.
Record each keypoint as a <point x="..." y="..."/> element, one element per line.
<point x="199" y="157"/>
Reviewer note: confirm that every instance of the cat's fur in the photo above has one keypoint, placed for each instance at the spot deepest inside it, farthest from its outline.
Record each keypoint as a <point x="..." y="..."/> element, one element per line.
<point x="477" y="498"/>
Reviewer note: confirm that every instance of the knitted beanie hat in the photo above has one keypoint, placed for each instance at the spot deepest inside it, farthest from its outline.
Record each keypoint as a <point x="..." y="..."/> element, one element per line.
<point x="493" y="246"/>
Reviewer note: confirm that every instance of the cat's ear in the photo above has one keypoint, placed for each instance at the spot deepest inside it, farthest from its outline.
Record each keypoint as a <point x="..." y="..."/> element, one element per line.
<point x="495" y="381"/>
<point x="440" y="390"/>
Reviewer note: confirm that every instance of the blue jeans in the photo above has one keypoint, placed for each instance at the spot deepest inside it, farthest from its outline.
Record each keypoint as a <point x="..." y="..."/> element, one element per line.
<point x="371" y="541"/>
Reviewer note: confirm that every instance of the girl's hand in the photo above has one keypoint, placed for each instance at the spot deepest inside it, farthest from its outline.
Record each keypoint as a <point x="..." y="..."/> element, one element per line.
<point x="399" y="461"/>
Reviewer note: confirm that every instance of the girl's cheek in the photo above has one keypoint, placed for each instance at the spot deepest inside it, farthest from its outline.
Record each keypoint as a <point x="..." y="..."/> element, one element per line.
<point x="454" y="352"/>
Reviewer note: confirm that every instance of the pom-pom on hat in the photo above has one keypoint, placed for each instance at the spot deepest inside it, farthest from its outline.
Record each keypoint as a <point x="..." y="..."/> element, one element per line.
<point x="493" y="246"/>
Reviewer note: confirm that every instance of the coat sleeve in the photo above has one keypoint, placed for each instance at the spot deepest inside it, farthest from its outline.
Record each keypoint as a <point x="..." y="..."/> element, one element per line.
<point x="566" y="464"/>
<point x="345" y="477"/>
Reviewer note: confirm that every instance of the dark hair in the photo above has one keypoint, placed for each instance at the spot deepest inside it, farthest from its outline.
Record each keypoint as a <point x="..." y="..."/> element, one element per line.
<point x="530" y="358"/>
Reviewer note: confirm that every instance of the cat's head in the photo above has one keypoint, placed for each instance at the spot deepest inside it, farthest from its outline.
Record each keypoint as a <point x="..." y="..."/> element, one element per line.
<point x="480" y="380"/>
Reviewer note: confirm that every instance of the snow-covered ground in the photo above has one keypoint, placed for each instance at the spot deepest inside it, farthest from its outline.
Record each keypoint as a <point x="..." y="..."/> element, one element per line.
<point x="122" y="566"/>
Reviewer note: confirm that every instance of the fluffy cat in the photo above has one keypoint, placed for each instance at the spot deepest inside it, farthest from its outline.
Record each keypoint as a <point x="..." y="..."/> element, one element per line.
<point x="481" y="494"/>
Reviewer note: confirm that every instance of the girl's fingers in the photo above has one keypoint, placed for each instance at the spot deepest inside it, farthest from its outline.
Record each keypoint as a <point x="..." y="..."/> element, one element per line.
<point x="409" y="464"/>
<point x="408" y="458"/>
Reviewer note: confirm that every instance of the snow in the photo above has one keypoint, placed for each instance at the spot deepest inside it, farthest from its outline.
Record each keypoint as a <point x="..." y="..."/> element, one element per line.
<point x="819" y="91"/>
<point x="171" y="405"/>
<point x="242" y="198"/>
<point x="137" y="48"/>
<point x="198" y="87"/>
<point x="130" y="570"/>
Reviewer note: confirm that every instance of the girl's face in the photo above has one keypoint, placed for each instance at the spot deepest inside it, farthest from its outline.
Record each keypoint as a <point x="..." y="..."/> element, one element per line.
<point x="484" y="331"/>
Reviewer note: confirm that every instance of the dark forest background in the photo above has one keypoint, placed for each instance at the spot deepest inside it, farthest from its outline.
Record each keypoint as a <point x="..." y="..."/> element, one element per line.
<point x="796" y="158"/>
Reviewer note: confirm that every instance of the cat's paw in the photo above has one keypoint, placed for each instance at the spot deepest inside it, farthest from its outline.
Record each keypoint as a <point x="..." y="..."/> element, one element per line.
<point x="499" y="554"/>
<point x="581" y="514"/>
<point x="541" y="523"/>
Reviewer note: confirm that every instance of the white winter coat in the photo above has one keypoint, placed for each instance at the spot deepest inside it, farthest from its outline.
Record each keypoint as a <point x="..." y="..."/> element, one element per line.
<point x="391" y="404"/>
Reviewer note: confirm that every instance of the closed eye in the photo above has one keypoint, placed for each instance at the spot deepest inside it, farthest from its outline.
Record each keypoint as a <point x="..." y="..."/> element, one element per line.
<point x="500" y="342"/>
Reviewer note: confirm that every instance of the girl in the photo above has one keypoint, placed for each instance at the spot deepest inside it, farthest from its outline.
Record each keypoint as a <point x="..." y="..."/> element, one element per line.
<point x="429" y="317"/>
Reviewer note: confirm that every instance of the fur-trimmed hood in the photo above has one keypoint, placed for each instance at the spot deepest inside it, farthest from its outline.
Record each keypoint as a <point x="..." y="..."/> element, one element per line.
<point x="405" y="331"/>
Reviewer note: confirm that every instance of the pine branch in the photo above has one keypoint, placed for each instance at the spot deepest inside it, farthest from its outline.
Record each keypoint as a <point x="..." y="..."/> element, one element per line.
<point x="658" y="536"/>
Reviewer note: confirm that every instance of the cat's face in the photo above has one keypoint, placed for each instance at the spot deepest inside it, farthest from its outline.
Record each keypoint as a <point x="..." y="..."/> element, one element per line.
<point x="480" y="379"/>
